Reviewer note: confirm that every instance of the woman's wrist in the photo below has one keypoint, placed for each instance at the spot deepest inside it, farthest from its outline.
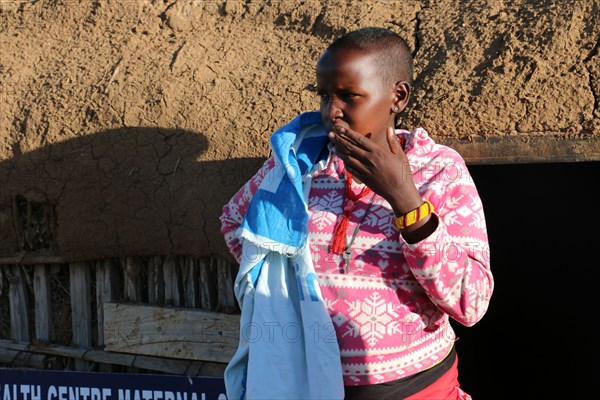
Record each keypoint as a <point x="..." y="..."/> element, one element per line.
<point x="403" y="203"/>
<point x="421" y="221"/>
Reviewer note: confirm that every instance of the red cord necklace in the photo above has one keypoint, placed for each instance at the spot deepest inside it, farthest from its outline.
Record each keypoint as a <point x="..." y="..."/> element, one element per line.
<point x="338" y="244"/>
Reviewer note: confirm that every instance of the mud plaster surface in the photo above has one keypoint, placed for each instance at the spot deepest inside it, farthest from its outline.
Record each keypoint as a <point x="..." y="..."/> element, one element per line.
<point x="126" y="125"/>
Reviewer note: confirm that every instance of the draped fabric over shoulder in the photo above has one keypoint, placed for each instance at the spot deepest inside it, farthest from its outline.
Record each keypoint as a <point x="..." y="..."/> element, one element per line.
<point x="283" y="313"/>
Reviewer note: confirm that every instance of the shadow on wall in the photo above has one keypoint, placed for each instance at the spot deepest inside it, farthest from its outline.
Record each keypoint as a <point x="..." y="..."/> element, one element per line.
<point x="121" y="192"/>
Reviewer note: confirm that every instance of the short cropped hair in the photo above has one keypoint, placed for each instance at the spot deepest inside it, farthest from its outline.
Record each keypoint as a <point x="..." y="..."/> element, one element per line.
<point x="393" y="53"/>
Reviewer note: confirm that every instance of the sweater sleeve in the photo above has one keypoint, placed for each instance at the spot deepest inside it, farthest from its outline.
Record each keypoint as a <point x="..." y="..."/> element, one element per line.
<point x="234" y="211"/>
<point x="453" y="263"/>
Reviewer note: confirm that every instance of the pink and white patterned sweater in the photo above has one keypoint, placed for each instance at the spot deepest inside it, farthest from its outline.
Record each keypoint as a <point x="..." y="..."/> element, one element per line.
<point x="390" y="309"/>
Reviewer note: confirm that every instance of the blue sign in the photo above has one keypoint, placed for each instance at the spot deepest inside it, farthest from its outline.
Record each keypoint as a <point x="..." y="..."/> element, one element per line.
<point x="69" y="385"/>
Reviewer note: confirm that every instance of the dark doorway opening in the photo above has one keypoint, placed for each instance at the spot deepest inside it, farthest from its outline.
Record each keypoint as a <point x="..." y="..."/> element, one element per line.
<point x="539" y="338"/>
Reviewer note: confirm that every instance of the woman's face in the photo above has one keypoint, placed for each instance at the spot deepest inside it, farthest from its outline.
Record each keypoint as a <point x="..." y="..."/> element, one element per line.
<point x="353" y="93"/>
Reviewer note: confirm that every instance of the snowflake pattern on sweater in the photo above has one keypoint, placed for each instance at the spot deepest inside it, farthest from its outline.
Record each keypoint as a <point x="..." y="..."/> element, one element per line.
<point x="391" y="307"/>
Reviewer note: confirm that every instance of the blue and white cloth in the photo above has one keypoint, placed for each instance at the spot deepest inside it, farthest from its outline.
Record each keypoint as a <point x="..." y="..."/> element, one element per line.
<point x="288" y="348"/>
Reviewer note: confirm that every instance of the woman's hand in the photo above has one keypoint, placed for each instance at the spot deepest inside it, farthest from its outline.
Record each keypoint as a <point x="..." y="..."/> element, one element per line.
<point x="385" y="169"/>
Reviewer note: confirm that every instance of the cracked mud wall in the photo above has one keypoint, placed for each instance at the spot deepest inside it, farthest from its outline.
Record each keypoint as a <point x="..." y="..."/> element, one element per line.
<point x="125" y="125"/>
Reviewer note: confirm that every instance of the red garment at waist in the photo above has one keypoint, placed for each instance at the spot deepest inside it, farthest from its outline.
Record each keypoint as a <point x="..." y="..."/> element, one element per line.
<point x="446" y="387"/>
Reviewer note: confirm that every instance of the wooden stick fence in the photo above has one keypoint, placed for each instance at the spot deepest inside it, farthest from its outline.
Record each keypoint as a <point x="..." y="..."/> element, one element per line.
<point x="59" y="316"/>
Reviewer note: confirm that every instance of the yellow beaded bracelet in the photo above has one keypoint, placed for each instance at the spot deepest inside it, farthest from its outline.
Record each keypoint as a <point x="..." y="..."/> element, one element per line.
<point x="414" y="216"/>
